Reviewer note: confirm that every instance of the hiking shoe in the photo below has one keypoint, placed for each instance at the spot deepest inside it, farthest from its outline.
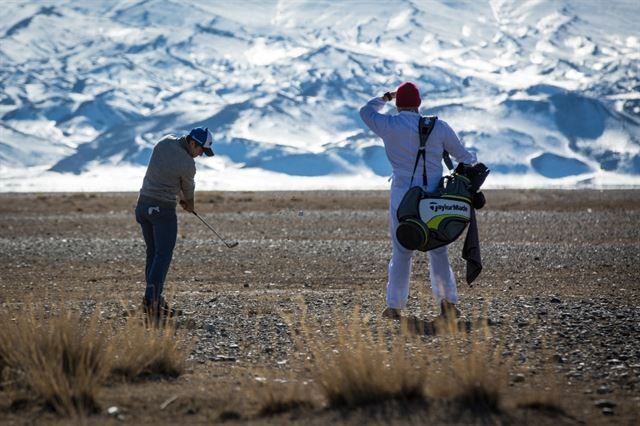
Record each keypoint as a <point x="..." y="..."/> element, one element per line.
<point x="391" y="313"/>
<point x="159" y="311"/>
<point x="148" y="309"/>
<point x="449" y="310"/>
<point x="166" y="311"/>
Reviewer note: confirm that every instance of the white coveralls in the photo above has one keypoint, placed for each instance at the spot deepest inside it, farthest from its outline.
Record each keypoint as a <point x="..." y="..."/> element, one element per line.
<point x="399" y="133"/>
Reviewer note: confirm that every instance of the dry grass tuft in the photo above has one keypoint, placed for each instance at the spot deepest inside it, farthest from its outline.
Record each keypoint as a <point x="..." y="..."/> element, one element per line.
<point x="470" y="374"/>
<point x="547" y="406"/>
<point x="549" y="398"/>
<point x="546" y="400"/>
<point x="360" y="367"/>
<point x="275" y="403"/>
<point x="61" y="360"/>
<point x="277" y="395"/>
<point x="142" y="352"/>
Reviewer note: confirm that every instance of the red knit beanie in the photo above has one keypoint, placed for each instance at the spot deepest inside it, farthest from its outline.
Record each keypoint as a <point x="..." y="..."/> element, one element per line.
<point x="408" y="96"/>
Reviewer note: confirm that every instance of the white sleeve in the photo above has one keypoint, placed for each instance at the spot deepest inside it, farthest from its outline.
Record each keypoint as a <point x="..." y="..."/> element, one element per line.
<point x="453" y="145"/>
<point x="371" y="116"/>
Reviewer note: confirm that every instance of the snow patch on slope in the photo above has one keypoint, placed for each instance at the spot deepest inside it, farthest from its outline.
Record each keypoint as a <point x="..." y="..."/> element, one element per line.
<point x="546" y="93"/>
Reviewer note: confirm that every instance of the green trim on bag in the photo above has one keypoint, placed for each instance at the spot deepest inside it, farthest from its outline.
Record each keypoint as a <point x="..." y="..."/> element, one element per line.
<point x="462" y="177"/>
<point x="422" y="226"/>
<point x="457" y="197"/>
<point x="435" y="222"/>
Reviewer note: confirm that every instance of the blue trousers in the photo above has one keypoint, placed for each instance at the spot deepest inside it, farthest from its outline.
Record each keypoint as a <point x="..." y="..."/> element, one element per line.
<point x="159" y="229"/>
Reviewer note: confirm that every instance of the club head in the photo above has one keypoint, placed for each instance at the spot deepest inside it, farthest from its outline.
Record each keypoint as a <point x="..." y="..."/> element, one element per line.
<point x="233" y="244"/>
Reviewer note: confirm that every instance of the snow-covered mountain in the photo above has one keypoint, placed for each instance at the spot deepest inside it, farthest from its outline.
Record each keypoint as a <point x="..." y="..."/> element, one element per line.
<point x="546" y="92"/>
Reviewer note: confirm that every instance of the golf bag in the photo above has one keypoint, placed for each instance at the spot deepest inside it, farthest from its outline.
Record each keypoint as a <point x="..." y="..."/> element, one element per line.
<point x="428" y="220"/>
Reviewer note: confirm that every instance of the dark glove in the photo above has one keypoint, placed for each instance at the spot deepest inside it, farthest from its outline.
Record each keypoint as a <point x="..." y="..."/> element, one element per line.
<point x="478" y="201"/>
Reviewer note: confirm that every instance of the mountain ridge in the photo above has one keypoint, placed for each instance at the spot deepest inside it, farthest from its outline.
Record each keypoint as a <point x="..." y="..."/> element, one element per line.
<point x="530" y="87"/>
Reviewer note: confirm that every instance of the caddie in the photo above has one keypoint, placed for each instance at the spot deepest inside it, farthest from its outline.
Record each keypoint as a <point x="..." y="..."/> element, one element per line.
<point x="399" y="133"/>
<point x="169" y="180"/>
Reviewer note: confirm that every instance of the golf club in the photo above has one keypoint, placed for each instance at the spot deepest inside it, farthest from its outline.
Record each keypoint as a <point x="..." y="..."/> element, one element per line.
<point x="229" y="245"/>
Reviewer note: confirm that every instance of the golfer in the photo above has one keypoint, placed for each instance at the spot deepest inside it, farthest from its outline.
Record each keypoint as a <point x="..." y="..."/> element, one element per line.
<point x="169" y="180"/>
<point x="399" y="133"/>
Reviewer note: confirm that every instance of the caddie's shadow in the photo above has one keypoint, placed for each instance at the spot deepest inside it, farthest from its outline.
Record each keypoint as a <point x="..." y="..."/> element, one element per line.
<point x="442" y="326"/>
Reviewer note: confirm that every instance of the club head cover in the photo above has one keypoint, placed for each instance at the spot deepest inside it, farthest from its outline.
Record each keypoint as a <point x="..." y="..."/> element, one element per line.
<point x="477" y="176"/>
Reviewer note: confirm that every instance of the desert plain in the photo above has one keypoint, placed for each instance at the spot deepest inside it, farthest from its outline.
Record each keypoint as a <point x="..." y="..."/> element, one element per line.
<point x="559" y="295"/>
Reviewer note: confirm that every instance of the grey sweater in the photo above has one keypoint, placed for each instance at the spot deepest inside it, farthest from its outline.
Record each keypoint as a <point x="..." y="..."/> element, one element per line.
<point x="170" y="173"/>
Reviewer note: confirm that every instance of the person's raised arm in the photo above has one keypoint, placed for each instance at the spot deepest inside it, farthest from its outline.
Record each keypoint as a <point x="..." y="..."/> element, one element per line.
<point x="370" y="114"/>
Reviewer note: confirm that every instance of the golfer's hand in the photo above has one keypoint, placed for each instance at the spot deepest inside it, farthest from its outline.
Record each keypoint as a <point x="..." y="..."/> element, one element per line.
<point x="187" y="205"/>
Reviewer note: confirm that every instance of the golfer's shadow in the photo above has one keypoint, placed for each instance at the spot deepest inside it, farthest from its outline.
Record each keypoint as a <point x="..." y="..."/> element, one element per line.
<point x="441" y="326"/>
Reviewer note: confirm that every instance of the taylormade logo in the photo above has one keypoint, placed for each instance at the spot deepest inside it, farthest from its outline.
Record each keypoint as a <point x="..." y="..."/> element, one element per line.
<point x="434" y="209"/>
<point x="447" y="207"/>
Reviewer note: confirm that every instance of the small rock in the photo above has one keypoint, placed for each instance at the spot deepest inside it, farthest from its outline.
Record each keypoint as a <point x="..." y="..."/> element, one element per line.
<point x="113" y="411"/>
<point x="603" y="389"/>
<point x="555" y="300"/>
<point x="228" y="415"/>
<point x="223" y="358"/>
<point x="518" y="378"/>
<point x="604" y="403"/>
<point x="608" y="411"/>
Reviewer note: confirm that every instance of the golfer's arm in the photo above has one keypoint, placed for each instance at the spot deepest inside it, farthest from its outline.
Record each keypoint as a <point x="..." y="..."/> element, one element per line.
<point x="188" y="186"/>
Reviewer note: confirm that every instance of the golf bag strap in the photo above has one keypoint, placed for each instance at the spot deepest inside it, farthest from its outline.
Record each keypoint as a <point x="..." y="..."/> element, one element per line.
<point x="447" y="160"/>
<point x="424" y="132"/>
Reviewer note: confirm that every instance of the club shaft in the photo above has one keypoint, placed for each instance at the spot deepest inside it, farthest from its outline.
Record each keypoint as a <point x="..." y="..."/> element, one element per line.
<point x="210" y="227"/>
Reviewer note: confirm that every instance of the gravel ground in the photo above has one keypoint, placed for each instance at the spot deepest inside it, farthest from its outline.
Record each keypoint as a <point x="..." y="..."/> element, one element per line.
<point x="560" y="288"/>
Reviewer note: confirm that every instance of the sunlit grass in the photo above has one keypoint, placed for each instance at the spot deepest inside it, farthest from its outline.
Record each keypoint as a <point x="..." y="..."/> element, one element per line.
<point x="364" y="363"/>
<point x="61" y="359"/>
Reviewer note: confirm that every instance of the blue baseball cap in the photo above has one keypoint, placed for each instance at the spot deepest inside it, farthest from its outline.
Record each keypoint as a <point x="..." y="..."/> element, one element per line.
<point x="202" y="136"/>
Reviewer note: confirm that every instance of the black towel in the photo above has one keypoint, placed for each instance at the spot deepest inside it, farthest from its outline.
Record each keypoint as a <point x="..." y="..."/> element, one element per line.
<point x="471" y="250"/>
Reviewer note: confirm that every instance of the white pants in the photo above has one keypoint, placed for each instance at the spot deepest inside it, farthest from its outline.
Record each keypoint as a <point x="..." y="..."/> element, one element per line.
<point x="443" y="282"/>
